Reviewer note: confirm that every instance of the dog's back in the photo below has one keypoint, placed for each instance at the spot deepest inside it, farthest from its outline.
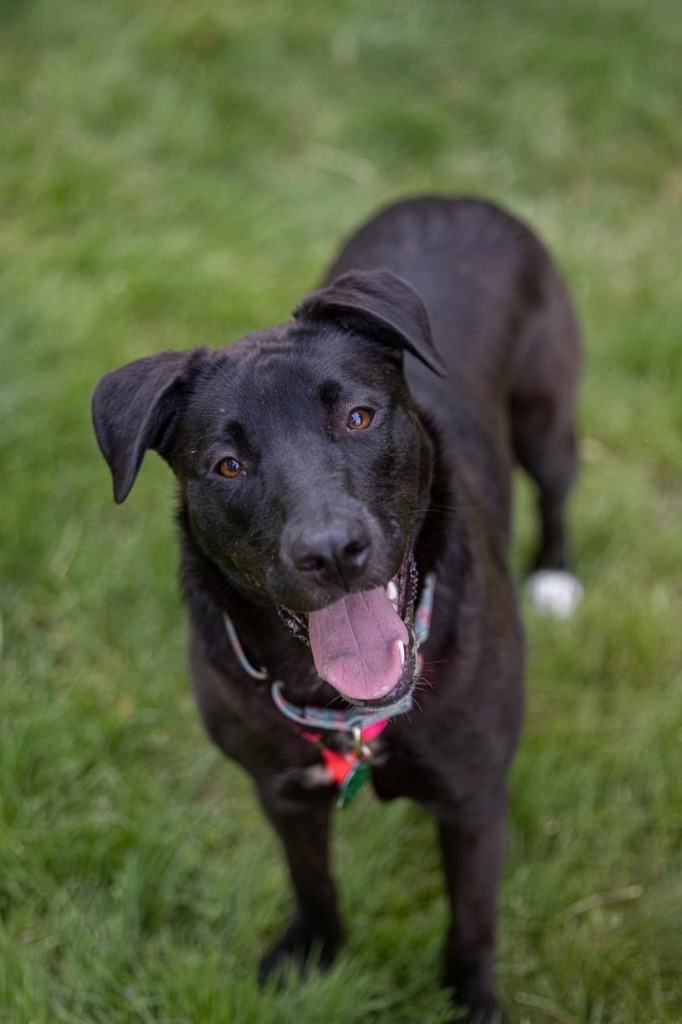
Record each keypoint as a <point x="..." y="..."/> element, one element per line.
<point x="501" y="319"/>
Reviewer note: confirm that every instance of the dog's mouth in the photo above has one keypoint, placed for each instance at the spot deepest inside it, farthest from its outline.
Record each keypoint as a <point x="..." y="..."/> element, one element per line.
<point x="364" y="645"/>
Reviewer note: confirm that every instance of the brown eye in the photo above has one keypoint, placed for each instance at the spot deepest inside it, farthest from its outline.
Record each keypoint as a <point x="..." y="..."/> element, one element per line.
<point x="360" y="419"/>
<point x="230" y="467"/>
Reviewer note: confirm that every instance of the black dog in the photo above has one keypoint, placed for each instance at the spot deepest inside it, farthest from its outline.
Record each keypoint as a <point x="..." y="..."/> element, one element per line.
<point x="324" y="479"/>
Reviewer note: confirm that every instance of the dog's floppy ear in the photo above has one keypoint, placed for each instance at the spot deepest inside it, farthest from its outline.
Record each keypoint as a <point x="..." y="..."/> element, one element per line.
<point x="134" y="407"/>
<point x="381" y="305"/>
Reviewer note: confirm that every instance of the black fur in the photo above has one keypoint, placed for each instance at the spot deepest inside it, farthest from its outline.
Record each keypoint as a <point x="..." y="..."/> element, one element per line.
<point x="318" y="510"/>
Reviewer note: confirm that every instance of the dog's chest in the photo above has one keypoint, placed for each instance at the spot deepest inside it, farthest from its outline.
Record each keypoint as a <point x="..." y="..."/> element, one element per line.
<point x="420" y="766"/>
<point x="398" y="771"/>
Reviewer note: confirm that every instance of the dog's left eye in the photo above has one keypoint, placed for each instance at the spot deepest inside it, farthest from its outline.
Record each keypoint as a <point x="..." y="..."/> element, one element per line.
<point x="360" y="418"/>
<point x="230" y="467"/>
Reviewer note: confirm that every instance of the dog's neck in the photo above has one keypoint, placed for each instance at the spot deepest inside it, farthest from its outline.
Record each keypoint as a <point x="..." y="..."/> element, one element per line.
<point x="438" y="510"/>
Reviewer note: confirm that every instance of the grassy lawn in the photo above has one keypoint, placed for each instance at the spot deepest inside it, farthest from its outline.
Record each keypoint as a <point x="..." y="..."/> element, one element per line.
<point x="177" y="173"/>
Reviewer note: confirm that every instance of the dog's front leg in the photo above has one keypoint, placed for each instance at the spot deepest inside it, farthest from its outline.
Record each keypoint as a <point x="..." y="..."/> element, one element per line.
<point x="472" y="859"/>
<point x="302" y="821"/>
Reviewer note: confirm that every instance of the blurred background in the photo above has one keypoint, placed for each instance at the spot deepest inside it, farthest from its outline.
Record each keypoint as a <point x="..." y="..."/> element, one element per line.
<point x="174" y="174"/>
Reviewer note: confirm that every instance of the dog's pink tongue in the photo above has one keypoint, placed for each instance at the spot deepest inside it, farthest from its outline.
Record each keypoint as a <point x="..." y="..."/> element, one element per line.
<point x="355" y="644"/>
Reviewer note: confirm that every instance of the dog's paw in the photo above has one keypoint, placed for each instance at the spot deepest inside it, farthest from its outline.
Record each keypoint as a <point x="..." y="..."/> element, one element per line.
<point x="482" y="1015"/>
<point x="554" y="592"/>
<point x="297" y="952"/>
<point x="488" y="1014"/>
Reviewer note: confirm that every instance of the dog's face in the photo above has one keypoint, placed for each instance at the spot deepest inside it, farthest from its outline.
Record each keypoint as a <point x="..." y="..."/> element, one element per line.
<point x="298" y="456"/>
<point x="303" y="468"/>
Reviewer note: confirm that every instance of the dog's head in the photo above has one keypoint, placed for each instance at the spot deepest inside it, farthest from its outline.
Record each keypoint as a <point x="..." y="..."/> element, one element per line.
<point x="303" y="466"/>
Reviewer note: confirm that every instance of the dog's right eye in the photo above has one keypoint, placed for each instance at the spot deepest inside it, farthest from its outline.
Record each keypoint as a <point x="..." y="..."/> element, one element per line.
<point x="230" y="467"/>
<point x="360" y="418"/>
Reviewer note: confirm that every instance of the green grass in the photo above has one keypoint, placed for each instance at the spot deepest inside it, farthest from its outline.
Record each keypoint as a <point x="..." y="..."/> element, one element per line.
<point x="175" y="174"/>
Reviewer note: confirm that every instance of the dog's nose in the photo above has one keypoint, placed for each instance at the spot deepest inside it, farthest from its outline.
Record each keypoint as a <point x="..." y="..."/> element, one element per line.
<point x="332" y="554"/>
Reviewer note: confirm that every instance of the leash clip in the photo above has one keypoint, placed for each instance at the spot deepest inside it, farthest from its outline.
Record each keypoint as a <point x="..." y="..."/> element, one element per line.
<point x="360" y="748"/>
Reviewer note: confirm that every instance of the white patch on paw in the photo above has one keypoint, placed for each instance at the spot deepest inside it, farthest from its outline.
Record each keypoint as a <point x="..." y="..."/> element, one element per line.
<point x="554" y="592"/>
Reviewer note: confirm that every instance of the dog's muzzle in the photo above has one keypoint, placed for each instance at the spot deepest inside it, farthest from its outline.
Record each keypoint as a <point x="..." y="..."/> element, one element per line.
<point x="364" y="645"/>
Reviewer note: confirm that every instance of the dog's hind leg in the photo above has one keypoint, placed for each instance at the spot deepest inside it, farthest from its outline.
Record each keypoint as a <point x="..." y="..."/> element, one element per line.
<point x="315" y="932"/>
<point x="544" y="437"/>
<point x="546" y="448"/>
